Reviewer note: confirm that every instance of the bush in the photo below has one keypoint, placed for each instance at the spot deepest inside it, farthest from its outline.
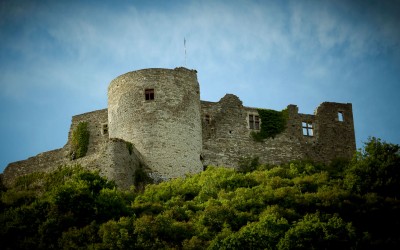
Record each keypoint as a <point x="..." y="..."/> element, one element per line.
<point x="248" y="164"/>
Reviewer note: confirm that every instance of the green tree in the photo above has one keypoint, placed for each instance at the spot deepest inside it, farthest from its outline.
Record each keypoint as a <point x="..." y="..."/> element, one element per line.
<point x="263" y="234"/>
<point x="376" y="168"/>
<point x="314" y="232"/>
<point x="118" y="234"/>
<point x="80" y="238"/>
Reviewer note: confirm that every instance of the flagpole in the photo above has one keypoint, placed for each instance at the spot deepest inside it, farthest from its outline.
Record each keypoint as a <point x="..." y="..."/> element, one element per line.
<point x="184" y="45"/>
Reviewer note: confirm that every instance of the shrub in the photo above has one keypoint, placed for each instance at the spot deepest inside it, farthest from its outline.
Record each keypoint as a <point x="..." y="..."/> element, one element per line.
<point x="248" y="164"/>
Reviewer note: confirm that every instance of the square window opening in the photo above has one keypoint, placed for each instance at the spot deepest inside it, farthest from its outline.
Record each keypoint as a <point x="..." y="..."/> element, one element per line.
<point x="254" y="122"/>
<point x="149" y="94"/>
<point x="340" y="116"/>
<point x="308" y="129"/>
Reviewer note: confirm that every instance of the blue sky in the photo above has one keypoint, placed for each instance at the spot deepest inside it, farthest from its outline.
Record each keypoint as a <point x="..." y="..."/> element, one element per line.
<point x="58" y="57"/>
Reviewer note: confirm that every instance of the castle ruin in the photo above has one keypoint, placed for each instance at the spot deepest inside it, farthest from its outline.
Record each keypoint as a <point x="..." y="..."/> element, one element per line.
<point x="155" y="118"/>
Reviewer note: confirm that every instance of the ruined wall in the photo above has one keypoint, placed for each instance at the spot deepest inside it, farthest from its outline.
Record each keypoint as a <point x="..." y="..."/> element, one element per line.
<point x="173" y="133"/>
<point x="227" y="138"/>
<point x="43" y="162"/>
<point x="122" y="163"/>
<point x="166" y="128"/>
<point x="111" y="157"/>
<point x="97" y="123"/>
<point x="336" y="136"/>
<point x="114" y="161"/>
<point x="227" y="135"/>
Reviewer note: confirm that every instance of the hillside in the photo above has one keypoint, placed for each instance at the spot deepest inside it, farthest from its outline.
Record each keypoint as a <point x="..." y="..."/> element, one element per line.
<point x="300" y="205"/>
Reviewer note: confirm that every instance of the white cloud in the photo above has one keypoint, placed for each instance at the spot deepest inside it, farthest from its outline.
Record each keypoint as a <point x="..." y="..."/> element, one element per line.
<point x="87" y="45"/>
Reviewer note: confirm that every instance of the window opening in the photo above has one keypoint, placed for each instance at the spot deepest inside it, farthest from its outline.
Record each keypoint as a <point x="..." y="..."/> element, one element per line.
<point x="254" y="122"/>
<point x="207" y="119"/>
<point x="104" y="129"/>
<point x="340" y="116"/>
<point x="307" y="129"/>
<point x="149" y="94"/>
<point x="251" y="121"/>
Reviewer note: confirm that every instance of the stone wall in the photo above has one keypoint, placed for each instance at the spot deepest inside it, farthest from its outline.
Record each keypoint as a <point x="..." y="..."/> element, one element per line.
<point x="165" y="129"/>
<point x="336" y="137"/>
<point x="227" y="134"/>
<point x="110" y="157"/>
<point x="174" y="133"/>
<point x="97" y="123"/>
<point x="115" y="162"/>
<point x="43" y="162"/>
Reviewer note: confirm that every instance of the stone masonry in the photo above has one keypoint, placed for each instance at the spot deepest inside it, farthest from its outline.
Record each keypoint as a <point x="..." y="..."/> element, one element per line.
<point x="227" y="134"/>
<point x="172" y="133"/>
<point x="166" y="128"/>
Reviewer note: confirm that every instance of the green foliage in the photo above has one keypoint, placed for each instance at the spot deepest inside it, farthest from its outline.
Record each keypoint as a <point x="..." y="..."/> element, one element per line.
<point x="80" y="140"/>
<point x="61" y="209"/>
<point x="117" y="234"/>
<point x="299" y="205"/>
<point x="262" y="234"/>
<point x="314" y="232"/>
<point x="272" y="123"/>
<point x="375" y="169"/>
<point x="80" y="238"/>
<point x="29" y="181"/>
<point x="248" y="164"/>
<point x="141" y="178"/>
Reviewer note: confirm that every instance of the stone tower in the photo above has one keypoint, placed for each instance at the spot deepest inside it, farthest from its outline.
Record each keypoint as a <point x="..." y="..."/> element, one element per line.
<point x="158" y="111"/>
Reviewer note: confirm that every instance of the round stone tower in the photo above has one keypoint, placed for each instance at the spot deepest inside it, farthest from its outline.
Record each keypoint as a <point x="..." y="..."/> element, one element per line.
<point x="158" y="111"/>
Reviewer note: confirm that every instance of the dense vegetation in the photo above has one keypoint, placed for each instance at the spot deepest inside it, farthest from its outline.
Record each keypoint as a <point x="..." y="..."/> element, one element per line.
<point x="300" y="205"/>
<point x="80" y="140"/>
<point x="272" y="123"/>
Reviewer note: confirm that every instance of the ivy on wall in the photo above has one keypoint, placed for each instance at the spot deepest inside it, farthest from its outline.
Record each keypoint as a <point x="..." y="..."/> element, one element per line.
<point x="80" y="140"/>
<point x="272" y="123"/>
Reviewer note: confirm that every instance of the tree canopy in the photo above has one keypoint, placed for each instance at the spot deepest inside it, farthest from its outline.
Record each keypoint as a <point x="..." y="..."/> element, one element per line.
<point x="299" y="205"/>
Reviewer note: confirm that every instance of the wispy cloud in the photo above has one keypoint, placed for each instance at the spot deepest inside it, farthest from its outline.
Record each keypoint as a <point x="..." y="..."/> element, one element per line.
<point x="270" y="53"/>
<point x="216" y="32"/>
